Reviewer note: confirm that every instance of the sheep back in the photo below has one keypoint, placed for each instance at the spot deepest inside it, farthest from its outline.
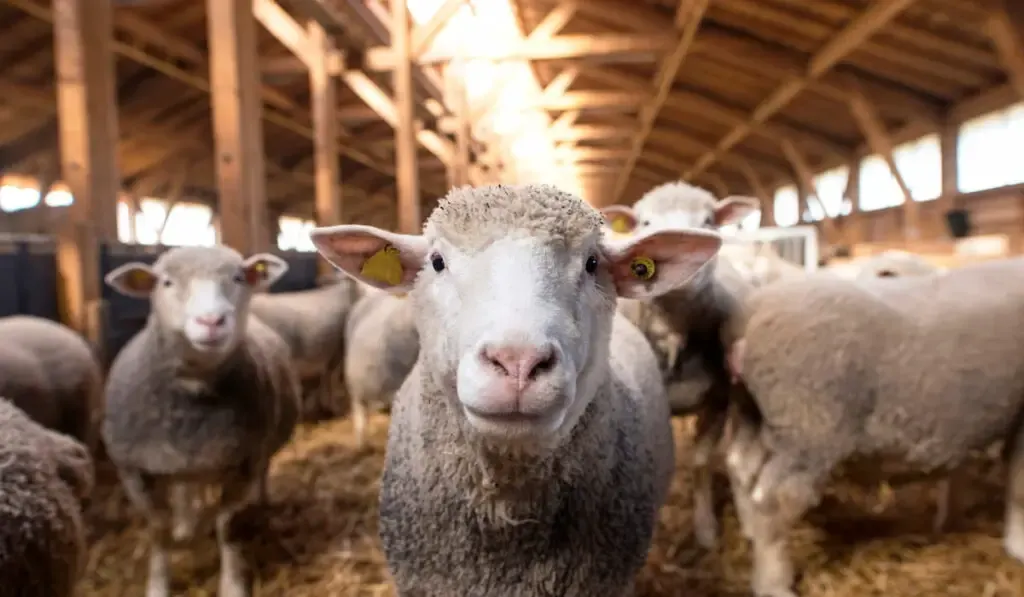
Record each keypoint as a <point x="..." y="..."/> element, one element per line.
<point x="42" y="540"/>
<point x="384" y="346"/>
<point x="72" y="370"/>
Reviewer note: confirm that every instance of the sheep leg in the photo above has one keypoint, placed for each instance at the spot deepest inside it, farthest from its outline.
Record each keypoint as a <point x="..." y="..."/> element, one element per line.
<point x="152" y="502"/>
<point x="783" y="493"/>
<point x="945" y="500"/>
<point x="359" y="420"/>
<point x="710" y="425"/>
<point x="1013" y="536"/>
<point x="235" y="575"/>
<point x="744" y="457"/>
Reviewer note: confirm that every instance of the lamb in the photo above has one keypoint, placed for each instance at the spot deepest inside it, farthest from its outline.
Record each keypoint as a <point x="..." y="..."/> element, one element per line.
<point x="57" y="373"/>
<point x="893" y="264"/>
<point x="701" y="313"/>
<point x="203" y="396"/>
<point x="312" y="323"/>
<point x="530" y="448"/>
<point x="43" y="477"/>
<point x="384" y="348"/>
<point x="817" y="352"/>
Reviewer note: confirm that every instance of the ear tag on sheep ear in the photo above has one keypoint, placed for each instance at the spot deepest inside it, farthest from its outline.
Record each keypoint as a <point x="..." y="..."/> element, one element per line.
<point x="384" y="266"/>
<point x="620" y="224"/>
<point x="256" y="272"/>
<point x="140" y="280"/>
<point x="642" y="267"/>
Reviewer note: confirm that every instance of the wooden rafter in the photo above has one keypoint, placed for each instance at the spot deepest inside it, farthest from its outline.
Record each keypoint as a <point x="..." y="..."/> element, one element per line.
<point x="689" y="15"/>
<point x="840" y="45"/>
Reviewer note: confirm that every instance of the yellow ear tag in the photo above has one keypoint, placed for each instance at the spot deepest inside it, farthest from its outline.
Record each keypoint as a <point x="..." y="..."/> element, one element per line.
<point x="643" y="267"/>
<point x="260" y="266"/>
<point x="384" y="266"/>
<point x="620" y="224"/>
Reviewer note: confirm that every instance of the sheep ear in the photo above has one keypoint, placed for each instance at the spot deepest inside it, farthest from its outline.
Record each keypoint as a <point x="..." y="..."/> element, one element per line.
<point x="133" y="279"/>
<point x="620" y="218"/>
<point x="378" y="258"/>
<point x="734" y="208"/>
<point x="263" y="269"/>
<point x="649" y="265"/>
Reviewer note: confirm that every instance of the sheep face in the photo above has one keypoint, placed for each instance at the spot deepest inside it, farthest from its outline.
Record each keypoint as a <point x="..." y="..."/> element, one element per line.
<point x="200" y="294"/>
<point x="514" y="304"/>
<point x="679" y="205"/>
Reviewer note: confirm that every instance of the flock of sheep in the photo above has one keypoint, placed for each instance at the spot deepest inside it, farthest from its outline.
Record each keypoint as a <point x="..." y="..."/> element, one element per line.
<point x="532" y="351"/>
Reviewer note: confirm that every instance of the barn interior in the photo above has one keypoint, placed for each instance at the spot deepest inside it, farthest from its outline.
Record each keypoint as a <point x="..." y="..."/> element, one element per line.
<point x="861" y="126"/>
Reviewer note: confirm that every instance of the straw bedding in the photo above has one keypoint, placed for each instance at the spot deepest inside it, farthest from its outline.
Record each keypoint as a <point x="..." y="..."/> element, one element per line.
<point x="318" y="537"/>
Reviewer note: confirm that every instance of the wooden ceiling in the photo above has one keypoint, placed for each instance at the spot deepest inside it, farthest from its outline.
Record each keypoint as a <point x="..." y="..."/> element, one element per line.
<point x="733" y="94"/>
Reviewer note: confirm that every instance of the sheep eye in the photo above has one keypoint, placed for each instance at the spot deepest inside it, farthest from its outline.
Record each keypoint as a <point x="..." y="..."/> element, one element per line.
<point x="167" y="282"/>
<point x="239" y="278"/>
<point x="591" y="265"/>
<point x="437" y="262"/>
<point x="645" y="223"/>
<point x="709" y="221"/>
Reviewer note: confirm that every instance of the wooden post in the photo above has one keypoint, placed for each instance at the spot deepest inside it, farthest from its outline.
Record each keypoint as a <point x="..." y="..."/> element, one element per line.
<point x="407" y="175"/>
<point x="463" y="136"/>
<point x="950" y="137"/>
<point x="237" y="125"/>
<point x="324" y="97"/>
<point x="87" y="108"/>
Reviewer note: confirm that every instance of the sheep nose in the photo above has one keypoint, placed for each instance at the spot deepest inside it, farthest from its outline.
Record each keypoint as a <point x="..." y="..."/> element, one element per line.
<point x="522" y="363"/>
<point x="212" y="321"/>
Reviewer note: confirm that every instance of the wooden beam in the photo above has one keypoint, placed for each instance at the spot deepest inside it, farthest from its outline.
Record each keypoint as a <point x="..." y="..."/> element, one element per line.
<point x="689" y="15"/>
<point x="562" y="47"/>
<point x="407" y="178"/>
<point x="1008" y="38"/>
<point x="283" y="27"/>
<point x="460" y="168"/>
<point x="237" y="125"/>
<point x="584" y="100"/>
<point x="806" y="178"/>
<point x="877" y="16"/>
<point x="878" y="140"/>
<point x="323" y="90"/>
<point x="84" y="64"/>
<point x="949" y="138"/>
<point x="424" y="35"/>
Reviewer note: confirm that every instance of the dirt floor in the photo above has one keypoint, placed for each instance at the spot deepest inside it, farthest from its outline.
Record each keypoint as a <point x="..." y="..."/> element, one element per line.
<point x="318" y="538"/>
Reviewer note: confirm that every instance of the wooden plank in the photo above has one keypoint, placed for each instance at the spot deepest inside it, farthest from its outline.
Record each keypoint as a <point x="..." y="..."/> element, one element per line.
<point x="86" y="104"/>
<point x="237" y="125"/>
<point x="407" y="175"/>
<point x="424" y="35"/>
<point x="283" y="27"/>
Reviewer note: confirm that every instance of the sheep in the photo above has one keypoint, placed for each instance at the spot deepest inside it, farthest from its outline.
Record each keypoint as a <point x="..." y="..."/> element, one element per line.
<point x="921" y="370"/>
<point x="760" y="265"/>
<point x="71" y="397"/>
<point x="893" y="264"/>
<point x="700" y="313"/>
<point x="384" y="346"/>
<point x="312" y="323"/>
<point x="203" y="396"/>
<point x="44" y="475"/>
<point x="530" y="448"/>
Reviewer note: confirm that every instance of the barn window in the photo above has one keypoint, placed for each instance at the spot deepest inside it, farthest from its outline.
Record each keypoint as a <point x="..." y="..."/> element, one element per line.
<point x="829" y="187"/>
<point x="920" y="165"/>
<point x="787" y="206"/>
<point x="294" y="234"/>
<point x="989" y="149"/>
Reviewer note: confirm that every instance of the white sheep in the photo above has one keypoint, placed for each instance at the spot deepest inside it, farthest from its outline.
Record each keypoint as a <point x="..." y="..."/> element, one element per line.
<point x="312" y="323"/>
<point x="43" y="477"/>
<point x="921" y="369"/>
<point x="895" y="264"/>
<point x="530" y="448"/>
<point x="203" y="396"/>
<point x="701" y="313"/>
<point x="383" y="348"/>
<point x="69" y="395"/>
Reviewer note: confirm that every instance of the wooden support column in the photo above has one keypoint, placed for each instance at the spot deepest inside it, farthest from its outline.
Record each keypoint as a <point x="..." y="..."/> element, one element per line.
<point x="407" y="169"/>
<point x="324" y="97"/>
<point x="878" y="140"/>
<point x="759" y="190"/>
<point x="87" y="109"/>
<point x="853" y="225"/>
<point x="948" y="140"/>
<point x="237" y="125"/>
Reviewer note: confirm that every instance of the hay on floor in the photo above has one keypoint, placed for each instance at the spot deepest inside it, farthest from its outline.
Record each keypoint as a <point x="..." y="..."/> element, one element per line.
<point x="318" y="538"/>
